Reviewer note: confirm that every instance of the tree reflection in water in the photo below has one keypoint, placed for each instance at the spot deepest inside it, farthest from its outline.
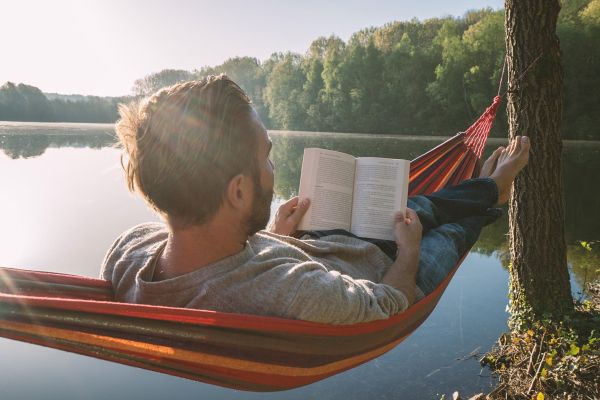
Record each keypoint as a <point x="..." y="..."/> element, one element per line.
<point x="33" y="145"/>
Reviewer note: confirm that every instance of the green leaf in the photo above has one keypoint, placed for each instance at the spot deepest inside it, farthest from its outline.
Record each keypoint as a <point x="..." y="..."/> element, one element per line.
<point x="574" y="350"/>
<point x="585" y="347"/>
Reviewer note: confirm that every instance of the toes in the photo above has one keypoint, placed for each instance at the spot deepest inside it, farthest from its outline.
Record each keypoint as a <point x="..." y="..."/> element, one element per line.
<point x="517" y="144"/>
<point x="494" y="156"/>
<point x="525" y="143"/>
<point x="509" y="146"/>
<point x="503" y="153"/>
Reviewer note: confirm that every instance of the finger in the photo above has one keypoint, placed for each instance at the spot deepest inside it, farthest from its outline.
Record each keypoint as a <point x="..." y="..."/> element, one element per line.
<point x="398" y="217"/>
<point x="300" y="210"/>
<point x="289" y="205"/>
<point x="412" y="217"/>
<point x="410" y="213"/>
<point x="293" y="202"/>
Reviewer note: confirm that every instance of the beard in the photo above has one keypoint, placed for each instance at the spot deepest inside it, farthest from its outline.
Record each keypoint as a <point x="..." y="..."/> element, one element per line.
<point x="261" y="208"/>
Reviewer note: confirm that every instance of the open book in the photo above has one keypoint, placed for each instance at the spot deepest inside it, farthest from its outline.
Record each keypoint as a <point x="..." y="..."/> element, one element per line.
<point x="359" y="195"/>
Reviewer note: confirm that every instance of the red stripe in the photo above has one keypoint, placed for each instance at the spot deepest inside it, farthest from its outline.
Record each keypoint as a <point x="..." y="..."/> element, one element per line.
<point x="52" y="277"/>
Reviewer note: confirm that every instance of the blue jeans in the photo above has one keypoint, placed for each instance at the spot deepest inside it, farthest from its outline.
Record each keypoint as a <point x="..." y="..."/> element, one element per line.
<point x="452" y="220"/>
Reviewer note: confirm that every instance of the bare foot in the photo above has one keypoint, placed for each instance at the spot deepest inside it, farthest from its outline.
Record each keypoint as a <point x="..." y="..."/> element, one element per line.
<point x="490" y="164"/>
<point x="510" y="161"/>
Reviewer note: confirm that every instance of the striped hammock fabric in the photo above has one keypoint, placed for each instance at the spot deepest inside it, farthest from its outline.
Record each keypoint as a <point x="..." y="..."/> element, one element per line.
<point x="247" y="352"/>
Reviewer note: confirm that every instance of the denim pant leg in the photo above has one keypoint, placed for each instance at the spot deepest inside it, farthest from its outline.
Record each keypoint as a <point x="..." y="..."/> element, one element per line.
<point x="442" y="247"/>
<point x="452" y="220"/>
<point x="468" y="198"/>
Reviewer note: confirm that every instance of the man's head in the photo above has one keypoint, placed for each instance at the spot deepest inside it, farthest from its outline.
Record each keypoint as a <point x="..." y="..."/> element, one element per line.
<point x="196" y="146"/>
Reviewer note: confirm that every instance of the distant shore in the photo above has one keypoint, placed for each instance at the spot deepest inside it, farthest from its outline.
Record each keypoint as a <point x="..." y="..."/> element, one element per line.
<point x="54" y="128"/>
<point x="79" y="128"/>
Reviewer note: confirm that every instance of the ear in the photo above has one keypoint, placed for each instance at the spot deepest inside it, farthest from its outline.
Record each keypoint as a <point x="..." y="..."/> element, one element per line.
<point x="239" y="191"/>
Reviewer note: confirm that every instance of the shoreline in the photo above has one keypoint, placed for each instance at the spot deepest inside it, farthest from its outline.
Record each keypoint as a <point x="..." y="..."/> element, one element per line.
<point x="14" y="128"/>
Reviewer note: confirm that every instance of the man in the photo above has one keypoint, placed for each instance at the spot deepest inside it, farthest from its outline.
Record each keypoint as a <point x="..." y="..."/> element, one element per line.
<point x="199" y="155"/>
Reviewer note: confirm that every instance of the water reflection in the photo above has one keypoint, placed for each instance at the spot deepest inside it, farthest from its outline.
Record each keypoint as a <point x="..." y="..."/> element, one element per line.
<point x="33" y="145"/>
<point x="61" y="210"/>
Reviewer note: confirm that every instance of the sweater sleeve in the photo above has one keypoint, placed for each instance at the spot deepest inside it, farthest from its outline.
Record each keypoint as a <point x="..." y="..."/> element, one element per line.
<point x="334" y="298"/>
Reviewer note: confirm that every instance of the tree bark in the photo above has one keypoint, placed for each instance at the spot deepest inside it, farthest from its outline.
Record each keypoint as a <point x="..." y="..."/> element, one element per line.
<point x="539" y="277"/>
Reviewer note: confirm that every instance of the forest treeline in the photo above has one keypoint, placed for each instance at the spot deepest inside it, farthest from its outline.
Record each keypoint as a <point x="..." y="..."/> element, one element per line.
<point x="431" y="77"/>
<point x="20" y="102"/>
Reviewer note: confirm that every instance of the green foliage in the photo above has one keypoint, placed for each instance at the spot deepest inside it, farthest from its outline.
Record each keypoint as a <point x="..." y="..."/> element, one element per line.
<point x="406" y="77"/>
<point x="570" y="10"/>
<point x="153" y="82"/>
<point x="249" y="74"/>
<point x="23" y="103"/>
<point x="413" y="77"/>
<point x="584" y="261"/>
<point x="591" y="13"/>
<point x="28" y="103"/>
<point x="283" y="92"/>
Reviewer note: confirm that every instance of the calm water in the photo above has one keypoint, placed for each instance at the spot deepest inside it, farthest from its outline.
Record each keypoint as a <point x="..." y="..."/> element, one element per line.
<point x="63" y="201"/>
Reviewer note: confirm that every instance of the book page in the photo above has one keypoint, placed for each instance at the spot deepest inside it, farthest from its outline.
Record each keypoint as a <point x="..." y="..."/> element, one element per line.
<point x="380" y="189"/>
<point x="327" y="179"/>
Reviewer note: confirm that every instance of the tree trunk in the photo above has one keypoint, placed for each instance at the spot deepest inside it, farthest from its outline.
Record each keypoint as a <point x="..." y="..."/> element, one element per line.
<point x="539" y="277"/>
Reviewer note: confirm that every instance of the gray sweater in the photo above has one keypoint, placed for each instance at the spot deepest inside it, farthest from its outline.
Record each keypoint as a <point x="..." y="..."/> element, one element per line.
<point x="329" y="280"/>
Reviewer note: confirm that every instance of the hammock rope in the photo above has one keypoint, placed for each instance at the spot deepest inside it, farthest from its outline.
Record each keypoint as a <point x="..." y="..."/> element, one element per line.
<point x="247" y="352"/>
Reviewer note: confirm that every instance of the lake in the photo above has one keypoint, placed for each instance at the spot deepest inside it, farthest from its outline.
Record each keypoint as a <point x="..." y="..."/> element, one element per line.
<point x="63" y="201"/>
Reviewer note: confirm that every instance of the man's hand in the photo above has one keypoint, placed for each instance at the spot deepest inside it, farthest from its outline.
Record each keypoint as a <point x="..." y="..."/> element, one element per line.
<point x="288" y="216"/>
<point x="408" y="230"/>
<point x="403" y="272"/>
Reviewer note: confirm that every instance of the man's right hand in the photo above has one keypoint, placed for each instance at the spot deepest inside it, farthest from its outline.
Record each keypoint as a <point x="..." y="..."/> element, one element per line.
<point x="408" y="230"/>
<point x="402" y="273"/>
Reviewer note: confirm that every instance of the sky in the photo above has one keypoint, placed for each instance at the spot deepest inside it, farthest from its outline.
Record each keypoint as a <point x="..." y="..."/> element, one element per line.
<point x="100" y="47"/>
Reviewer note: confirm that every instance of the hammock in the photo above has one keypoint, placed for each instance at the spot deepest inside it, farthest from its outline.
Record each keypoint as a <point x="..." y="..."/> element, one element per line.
<point x="247" y="352"/>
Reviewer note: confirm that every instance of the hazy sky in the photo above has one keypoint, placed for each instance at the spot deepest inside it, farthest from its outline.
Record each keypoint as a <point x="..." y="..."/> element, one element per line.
<point x="100" y="47"/>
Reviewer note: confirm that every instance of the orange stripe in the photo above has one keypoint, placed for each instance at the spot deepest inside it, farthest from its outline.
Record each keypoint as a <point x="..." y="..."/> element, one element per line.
<point x="434" y="182"/>
<point x="134" y="362"/>
<point x="181" y="355"/>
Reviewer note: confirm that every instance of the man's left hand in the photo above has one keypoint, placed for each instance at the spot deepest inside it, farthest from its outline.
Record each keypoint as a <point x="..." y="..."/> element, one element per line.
<point x="288" y="216"/>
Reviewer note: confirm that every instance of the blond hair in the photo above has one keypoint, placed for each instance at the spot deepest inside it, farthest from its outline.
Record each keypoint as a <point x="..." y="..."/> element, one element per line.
<point x="185" y="143"/>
